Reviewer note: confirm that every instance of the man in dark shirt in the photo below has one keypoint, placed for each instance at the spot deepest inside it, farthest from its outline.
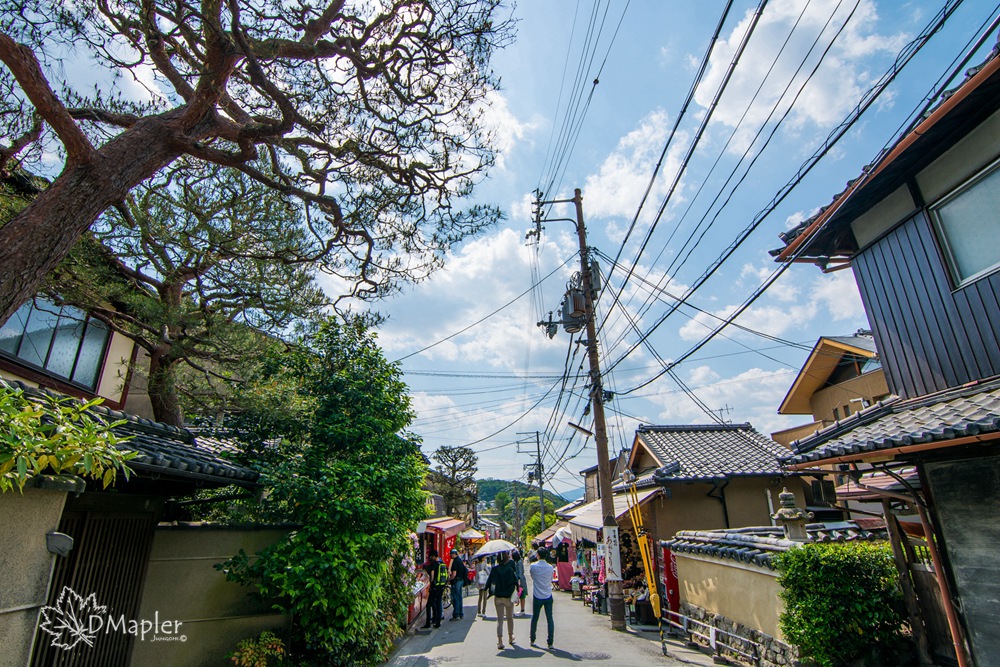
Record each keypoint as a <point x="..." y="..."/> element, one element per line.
<point x="458" y="575"/>
<point x="439" y="580"/>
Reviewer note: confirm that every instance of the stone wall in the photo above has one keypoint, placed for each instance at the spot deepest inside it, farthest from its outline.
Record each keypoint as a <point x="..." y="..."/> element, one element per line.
<point x="773" y="652"/>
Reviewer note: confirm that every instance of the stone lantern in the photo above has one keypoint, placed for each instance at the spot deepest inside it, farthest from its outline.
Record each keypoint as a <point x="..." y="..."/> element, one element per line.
<point x="792" y="519"/>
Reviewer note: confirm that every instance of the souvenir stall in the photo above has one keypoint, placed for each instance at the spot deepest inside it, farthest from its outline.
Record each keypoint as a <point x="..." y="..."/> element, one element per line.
<point x="421" y="583"/>
<point x="565" y="553"/>
<point x="438" y="534"/>
<point x="471" y="540"/>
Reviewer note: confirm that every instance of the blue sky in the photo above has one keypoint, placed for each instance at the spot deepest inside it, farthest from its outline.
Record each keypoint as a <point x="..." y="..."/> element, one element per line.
<point x="492" y="384"/>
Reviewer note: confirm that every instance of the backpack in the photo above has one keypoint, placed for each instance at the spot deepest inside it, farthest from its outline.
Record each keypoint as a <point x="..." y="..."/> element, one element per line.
<point x="442" y="575"/>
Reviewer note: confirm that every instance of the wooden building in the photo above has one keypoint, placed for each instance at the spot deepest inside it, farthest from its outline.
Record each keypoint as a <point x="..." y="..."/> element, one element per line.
<point x="919" y="228"/>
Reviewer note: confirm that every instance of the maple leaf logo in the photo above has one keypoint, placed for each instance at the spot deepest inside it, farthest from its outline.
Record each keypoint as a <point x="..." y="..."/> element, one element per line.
<point x="68" y="621"/>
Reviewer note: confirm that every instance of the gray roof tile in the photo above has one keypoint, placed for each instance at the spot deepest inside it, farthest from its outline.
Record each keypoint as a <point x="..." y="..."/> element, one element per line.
<point x="707" y="452"/>
<point x="760" y="545"/>
<point x="955" y="413"/>
<point x="167" y="450"/>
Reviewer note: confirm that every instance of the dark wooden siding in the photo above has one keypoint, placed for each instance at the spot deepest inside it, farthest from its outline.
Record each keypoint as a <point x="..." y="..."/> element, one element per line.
<point x="929" y="337"/>
<point x="966" y="496"/>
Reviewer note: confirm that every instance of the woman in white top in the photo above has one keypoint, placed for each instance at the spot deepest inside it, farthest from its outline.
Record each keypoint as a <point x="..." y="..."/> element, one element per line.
<point x="482" y="576"/>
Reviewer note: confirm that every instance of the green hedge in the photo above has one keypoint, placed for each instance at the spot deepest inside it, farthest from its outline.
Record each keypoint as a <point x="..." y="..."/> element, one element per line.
<point x="841" y="601"/>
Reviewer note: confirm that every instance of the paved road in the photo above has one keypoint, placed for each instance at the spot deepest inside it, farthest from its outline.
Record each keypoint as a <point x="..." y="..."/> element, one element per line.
<point x="580" y="637"/>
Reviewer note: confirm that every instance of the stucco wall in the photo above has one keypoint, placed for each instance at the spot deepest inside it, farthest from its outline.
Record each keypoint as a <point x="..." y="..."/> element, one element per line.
<point x="26" y="565"/>
<point x="688" y="507"/>
<point x="743" y="593"/>
<point x="182" y="584"/>
<point x="839" y="396"/>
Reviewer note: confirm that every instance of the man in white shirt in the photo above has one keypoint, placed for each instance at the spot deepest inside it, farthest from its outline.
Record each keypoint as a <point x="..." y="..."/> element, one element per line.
<point x="542" y="574"/>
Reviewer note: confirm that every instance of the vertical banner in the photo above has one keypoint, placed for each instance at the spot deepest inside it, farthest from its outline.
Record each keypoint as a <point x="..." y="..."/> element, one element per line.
<point x="671" y="580"/>
<point x="449" y="544"/>
<point x="612" y="550"/>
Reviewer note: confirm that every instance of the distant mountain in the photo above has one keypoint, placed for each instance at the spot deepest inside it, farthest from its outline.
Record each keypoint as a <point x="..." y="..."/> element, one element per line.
<point x="575" y="494"/>
<point x="489" y="488"/>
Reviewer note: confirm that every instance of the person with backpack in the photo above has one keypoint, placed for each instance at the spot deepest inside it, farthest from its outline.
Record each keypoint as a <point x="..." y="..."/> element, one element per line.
<point x="483" y="568"/>
<point x="458" y="574"/>
<point x="438" y="573"/>
<point x="503" y="584"/>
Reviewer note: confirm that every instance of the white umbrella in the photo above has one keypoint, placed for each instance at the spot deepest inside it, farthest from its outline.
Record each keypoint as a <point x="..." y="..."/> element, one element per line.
<point x="562" y="535"/>
<point x="493" y="547"/>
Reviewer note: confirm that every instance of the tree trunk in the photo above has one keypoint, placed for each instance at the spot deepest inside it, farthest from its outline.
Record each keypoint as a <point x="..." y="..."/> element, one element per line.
<point x="39" y="237"/>
<point x="163" y="390"/>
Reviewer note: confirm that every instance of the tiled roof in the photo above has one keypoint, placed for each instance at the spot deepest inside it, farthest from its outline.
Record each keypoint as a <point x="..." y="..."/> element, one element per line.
<point x="947" y="415"/>
<point x="760" y="545"/>
<point x="167" y="451"/>
<point x="709" y="452"/>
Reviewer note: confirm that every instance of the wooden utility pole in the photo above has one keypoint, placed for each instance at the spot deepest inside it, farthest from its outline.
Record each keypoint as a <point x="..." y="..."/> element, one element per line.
<point x="612" y="552"/>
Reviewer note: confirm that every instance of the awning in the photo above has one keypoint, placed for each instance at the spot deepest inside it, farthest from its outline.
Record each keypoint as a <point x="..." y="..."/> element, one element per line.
<point x="446" y="525"/>
<point x="472" y="534"/>
<point x="589" y="519"/>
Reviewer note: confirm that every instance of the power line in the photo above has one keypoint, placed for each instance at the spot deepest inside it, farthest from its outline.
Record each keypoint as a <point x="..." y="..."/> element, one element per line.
<point x="483" y="319"/>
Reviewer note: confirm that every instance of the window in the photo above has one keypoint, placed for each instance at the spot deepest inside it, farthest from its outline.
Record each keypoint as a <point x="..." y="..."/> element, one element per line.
<point x="63" y="342"/>
<point x="966" y="223"/>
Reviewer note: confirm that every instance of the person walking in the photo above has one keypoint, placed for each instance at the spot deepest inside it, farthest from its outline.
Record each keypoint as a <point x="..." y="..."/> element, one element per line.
<point x="457" y="574"/>
<point x="542" y="573"/>
<point x="483" y="568"/>
<point x="522" y="583"/>
<point x="438" y="573"/>
<point x="503" y="582"/>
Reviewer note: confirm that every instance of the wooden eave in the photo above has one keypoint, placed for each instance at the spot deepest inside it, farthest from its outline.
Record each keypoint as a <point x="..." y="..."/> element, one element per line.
<point x="829" y="235"/>
<point x="820" y="364"/>
<point x="634" y="454"/>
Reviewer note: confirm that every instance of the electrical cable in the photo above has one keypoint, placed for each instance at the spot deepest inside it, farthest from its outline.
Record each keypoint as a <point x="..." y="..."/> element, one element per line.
<point x="870" y="96"/>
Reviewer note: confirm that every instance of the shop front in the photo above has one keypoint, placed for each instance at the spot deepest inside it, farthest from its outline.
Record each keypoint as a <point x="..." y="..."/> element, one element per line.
<point x="438" y="534"/>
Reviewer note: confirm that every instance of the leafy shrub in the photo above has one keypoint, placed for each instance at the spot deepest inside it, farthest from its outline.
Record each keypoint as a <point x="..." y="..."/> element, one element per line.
<point x="349" y="475"/>
<point x="55" y="435"/>
<point x="255" y="652"/>
<point x="840" y="600"/>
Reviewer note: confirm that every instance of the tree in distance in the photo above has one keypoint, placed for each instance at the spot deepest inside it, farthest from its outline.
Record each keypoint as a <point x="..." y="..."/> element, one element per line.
<point x="371" y="113"/>
<point x="454" y="478"/>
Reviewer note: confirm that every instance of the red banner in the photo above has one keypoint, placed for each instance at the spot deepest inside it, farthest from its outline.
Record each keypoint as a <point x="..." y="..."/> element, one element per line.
<point x="671" y="581"/>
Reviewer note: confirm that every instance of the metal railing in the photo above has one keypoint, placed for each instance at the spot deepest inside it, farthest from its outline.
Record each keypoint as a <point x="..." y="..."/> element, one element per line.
<point x="716" y="639"/>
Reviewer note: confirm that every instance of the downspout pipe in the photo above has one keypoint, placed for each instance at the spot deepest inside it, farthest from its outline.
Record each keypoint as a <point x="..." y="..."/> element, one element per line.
<point x="721" y="498"/>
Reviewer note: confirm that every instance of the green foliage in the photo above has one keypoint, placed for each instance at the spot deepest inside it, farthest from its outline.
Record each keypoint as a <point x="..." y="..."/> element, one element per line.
<point x="533" y="526"/>
<point x="255" y="652"/>
<point x="197" y="266"/>
<point x="489" y="488"/>
<point x="840" y="600"/>
<point x="455" y="477"/>
<point x="350" y="476"/>
<point x="58" y="436"/>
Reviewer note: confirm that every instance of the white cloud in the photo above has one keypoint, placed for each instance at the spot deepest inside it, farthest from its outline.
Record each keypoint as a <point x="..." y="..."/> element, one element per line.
<point x="751" y="396"/>
<point x="830" y="92"/>
<point x="794" y="302"/>
<point x="506" y="129"/>
<point x="619" y="184"/>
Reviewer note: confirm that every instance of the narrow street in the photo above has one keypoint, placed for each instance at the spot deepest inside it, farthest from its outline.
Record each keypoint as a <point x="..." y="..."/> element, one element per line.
<point x="580" y="637"/>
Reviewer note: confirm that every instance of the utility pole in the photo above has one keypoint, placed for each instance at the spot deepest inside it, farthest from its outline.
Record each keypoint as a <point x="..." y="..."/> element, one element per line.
<point x="612" y="552"/>
<point x="538" y="473"/>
